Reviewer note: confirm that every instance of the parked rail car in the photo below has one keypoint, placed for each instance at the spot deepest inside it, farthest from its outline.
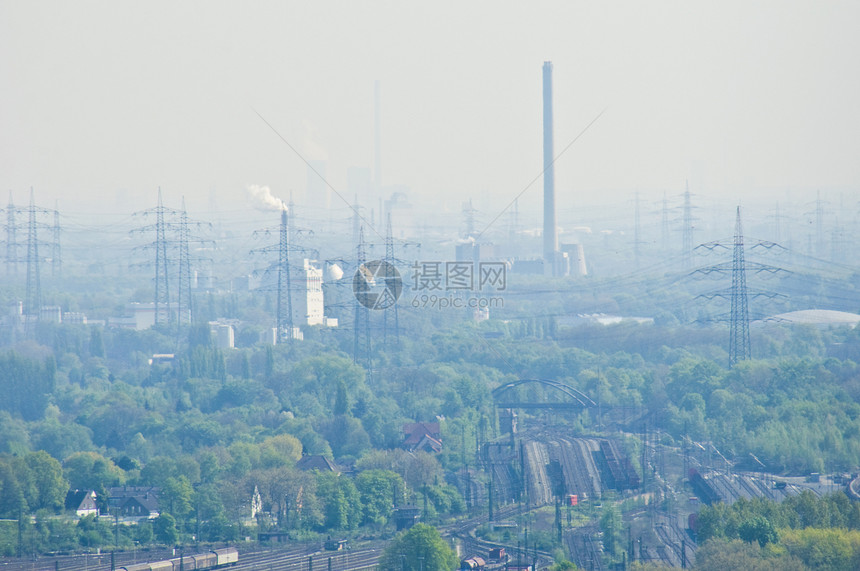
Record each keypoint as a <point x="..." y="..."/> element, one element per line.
<point x="165" y="565"/>
<point x="472" y="564"/>
<point x="205" y="560"/>
<point x="185" y="563"/>
<point x="198" y="562"/>
<point x="227" y="556"/>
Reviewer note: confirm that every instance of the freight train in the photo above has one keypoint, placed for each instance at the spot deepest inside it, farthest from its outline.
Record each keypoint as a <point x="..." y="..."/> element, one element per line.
<point x="209" y="560"/>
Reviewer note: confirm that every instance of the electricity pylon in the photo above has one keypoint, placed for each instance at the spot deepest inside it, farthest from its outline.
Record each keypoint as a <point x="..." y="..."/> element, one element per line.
<point x="361" y="321"/>
<point x="739" y="334"/>
<point x="687" y="230"/>
<point x="172" y="233"/>
<point x="278" y="276"/>
<point x="739" y="294"/>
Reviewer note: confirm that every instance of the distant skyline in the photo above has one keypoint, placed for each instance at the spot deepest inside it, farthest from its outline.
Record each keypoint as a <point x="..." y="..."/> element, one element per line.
<point x="103" y="100"/>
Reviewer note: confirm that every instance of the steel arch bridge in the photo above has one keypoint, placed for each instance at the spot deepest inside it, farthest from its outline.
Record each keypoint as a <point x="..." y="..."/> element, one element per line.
<point x="511" y="395"/>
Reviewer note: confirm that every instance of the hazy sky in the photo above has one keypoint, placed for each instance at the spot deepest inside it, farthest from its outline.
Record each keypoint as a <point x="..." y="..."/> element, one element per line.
<point x="735" y="96"/>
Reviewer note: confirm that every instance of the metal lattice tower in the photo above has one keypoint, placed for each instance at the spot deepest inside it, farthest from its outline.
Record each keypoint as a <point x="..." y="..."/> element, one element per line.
<point x="11" y="238"/>
<point x="173" y="260"/>
<point x="183" y="300"/>
<point x="33" y="302"/>
<point x="162" y="282"/>
<point x="739" y="335"/>
<point x="278" y="276"/>
<point x="392" y="309"/>
<point x="687" y="240"/>
<point x="739" y="294"/>
<point x="361" y="321"/>
<point x="285" y="290"/>
<point x="56" y="260"/>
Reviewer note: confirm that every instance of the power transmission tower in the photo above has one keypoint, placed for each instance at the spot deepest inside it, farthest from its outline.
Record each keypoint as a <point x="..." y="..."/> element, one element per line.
<point x="285" y="286"/>
<point x="687" y="241"/>
<point x="392" y="309"/>
<point x="33" y="299"/>
<point x="739" y="334"/>
<point x="361" y="321"/>
<point x="278" y="276"/>
<point x="739" y="294"/>
<point x="11" y="238"/>
<point x="162" y="282"/>
<point x="388" y="273"/>
<point x="183" y="300"/>
<point x="33" y="302"/>
<point x="172" y="232"/>
<point x="56" y="260"/>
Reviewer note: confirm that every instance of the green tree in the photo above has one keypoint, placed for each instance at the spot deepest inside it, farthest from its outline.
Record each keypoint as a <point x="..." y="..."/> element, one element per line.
<point x="421" y="547"/>
<point x="12" y="498"/>
<point x="165" y="530"/>
<point x="758" y="529"/>
<point x="346" y="435"/>
<point x="48" y="482"/>
<point x="280" y="450"/>
<point x="177" y="496"/>
<point x="380" y="490"/>
<point x="611" y="525"/>
<point x="722" y="555"/>
<point x="341" y="502"/>
<point x="97" y="345"/>
<point x="92" y="471"/>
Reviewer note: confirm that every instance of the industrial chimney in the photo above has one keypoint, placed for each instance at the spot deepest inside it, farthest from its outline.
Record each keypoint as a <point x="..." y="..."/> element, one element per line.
<point x="550" y="226"/>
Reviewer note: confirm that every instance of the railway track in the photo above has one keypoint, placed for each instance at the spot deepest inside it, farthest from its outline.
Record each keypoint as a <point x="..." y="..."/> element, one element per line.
<point x="583" y="544"/>
<point x="295" y="559"/>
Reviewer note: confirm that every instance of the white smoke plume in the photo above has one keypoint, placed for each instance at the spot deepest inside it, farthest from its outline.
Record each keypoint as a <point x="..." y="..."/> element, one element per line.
<point x="263" y="198"/>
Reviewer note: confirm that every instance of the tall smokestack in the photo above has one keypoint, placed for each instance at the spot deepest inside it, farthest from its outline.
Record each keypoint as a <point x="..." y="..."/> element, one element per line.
<point x="550" y="227"/>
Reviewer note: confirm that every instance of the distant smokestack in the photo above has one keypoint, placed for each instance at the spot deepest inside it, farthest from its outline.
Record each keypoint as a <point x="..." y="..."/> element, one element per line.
<point x="550" y="226"/>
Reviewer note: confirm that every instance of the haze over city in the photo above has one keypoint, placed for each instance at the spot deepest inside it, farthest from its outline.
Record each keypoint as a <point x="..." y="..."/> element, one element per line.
<point x="429" y="286"/>
<point x="742" y="100"/>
